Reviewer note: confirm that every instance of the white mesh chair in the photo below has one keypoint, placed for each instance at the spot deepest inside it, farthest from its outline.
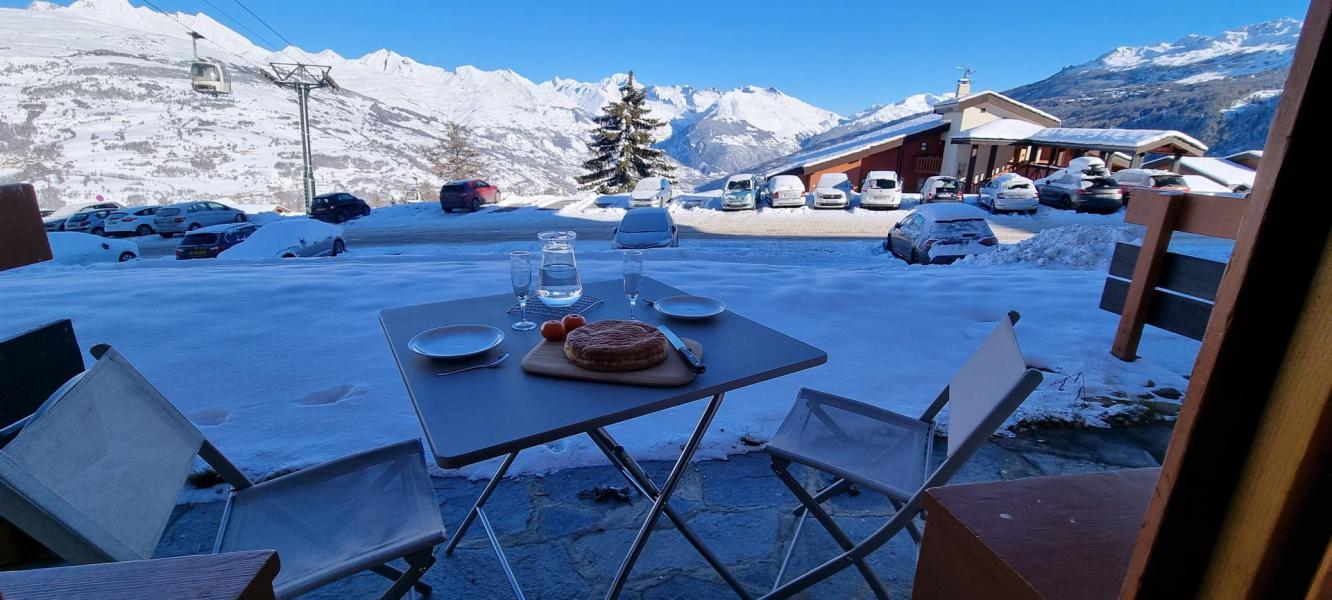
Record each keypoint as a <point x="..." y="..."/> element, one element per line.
<point x="889" y="453"/>
<point x="95" y="474"/>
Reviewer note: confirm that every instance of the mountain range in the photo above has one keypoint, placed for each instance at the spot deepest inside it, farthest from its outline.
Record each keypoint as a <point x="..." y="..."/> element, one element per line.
<point x="102" y="105"/>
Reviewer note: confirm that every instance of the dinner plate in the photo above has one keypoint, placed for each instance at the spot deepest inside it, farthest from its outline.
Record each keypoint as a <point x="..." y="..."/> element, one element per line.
<point x="689" y="308"/>
<point x="456" y="341"/>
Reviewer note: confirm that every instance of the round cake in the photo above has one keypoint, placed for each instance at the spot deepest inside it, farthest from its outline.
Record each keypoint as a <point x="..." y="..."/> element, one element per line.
<point x="615" y="345"/>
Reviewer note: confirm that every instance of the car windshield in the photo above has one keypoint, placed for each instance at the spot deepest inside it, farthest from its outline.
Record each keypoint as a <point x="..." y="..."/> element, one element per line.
<point x="1019" y="185"/>
<point x="79" y="217"/>
<point x="1103" y="182"/>
<point x="1167" y="180"/>
<point x="199" y="239"/>
<point x="881" y="184"/>
<point x="321" y="202"/>
<point x="946" y="187"/>
<point x="455" y="188"/>
<point x="643" y="222"/>
<point x="648" y="185"/>
<point x="739" y="185"/>
<point x="969" y="227"/>
<point x="167" y="212"/>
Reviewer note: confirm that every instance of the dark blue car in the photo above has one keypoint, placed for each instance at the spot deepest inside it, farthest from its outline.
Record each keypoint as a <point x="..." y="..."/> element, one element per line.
<point x="208" y="242"/>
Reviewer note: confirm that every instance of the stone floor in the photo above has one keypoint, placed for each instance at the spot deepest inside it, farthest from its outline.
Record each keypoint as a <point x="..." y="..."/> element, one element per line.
<point x="563" y="544"/>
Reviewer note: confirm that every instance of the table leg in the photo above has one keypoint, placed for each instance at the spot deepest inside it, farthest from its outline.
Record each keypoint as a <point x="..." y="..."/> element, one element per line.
<point x="478" y="510"/>
<point x="634" y="473"/>
<point x="667" y="489"/>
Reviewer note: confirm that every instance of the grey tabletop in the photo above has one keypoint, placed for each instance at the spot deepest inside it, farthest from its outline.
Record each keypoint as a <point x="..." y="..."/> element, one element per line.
<point x="473" y="416"/>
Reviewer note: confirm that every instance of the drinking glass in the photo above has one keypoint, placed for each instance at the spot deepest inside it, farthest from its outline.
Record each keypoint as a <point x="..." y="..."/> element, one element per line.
<point x="520" y="274"/>
<point x="633" y="278"/>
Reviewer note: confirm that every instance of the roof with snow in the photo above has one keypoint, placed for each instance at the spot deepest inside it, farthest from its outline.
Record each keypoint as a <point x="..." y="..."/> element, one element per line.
<point x="1135" y="141"/>
<point x="861" y="145"/>
<point x="1000" y="130"/>
<point x="1031" y="112"/>
<point x="1220" y="170"/>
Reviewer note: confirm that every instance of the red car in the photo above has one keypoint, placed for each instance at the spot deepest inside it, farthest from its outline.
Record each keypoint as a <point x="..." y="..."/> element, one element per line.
<point x="467" y="194"/>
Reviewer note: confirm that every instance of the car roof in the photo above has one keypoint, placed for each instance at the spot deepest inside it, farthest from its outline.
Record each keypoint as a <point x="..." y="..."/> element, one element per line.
<point x="741" y="176"/>
<point x="949" y="212"/>
<point x="1007" y="176"/>
<point x="881" y="175"/>
<point x="330" y="194"/>
<point x="647" y="210"/>
<point x="833" y="176"/>
<point x="220" y="228"/>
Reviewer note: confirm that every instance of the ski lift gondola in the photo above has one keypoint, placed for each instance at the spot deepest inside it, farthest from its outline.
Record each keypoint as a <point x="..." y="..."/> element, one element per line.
<point x="206" y="75"/>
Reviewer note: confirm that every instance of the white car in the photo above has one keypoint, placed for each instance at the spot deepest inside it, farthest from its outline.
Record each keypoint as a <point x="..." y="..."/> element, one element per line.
<point x="881" y="189"/>
<point x="1008" y="192"/>
<point x="740" y="192"/>
<point x="72" y="248"/>
<point x="941" y="188"/>
<point x="56" y="220"/>
<point x="785" y="191"/>
<point x="831" y="191"/>
<point x="135" y="220"/>
<point x="295" y="237"/>
<point x="651" y="191"/>
<point x="1149" y="179"/>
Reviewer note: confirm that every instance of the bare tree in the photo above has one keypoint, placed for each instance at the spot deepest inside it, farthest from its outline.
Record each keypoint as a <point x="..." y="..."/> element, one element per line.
<point x="456" y="157"/>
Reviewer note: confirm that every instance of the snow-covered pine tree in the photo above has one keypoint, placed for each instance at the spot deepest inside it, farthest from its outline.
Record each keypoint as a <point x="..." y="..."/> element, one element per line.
<point x="622" y="144"/>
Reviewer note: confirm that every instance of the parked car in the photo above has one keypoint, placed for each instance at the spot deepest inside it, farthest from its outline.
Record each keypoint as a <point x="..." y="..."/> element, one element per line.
<point x="832" y="191"/>
<point x="650" y="227"/>
<point x="1149" y="179"/>
<point x="289" y="238"/>
<point x="784" y="191"/>
<point x="469" y="194"/>
<point x="56" y="220"/>
<point x="881" y="189"/>
<point x="189" y="216"/>
<point x="46" y="212"/>
<point x="135" y="220"/>
<point x="940" y="234"/>
<point x="1008" y="192"/>
<point x="1085" y="185"/>
<point x="651" y="191"/>
<point x="941" y="188"/>
<point x="89" y="221"/>
<point x="208" y="242"/>
<point x="740" y="192"/>
<point x="338" y="207"/>
<point x="72" y="248"/>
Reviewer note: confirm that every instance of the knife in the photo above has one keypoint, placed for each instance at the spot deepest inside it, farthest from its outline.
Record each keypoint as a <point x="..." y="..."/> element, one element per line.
<point x="695" y="364"/>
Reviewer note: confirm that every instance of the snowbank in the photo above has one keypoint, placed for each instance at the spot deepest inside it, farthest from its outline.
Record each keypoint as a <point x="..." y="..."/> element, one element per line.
<point x="275" y="238"/>
<point x="71" y="248"/>
<point x="1071" y="247"/>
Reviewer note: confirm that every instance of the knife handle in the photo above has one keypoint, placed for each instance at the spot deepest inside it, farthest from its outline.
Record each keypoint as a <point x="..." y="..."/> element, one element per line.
<point x="695" y="364"/>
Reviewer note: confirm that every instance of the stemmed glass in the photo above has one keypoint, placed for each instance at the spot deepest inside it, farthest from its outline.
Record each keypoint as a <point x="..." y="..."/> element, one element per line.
<point x="520" y="274"/>
<point x="633" y="278"/>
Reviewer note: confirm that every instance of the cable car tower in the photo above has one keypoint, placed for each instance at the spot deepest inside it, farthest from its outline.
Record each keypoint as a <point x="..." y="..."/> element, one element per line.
<point x="206" y="75"/>
<point x="303" y="78"/>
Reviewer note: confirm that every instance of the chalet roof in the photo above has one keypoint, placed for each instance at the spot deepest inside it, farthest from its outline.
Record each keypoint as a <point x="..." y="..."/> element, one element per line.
<point x="1133" y="141"/>
<point x="1032" y="113"/>
<point x="1000" y="130"/>
<point x="856" y="146"/>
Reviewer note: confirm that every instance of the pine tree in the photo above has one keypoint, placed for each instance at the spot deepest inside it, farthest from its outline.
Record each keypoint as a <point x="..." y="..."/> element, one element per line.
<point x="622" y="144"/>
<point x="456" y="157"/>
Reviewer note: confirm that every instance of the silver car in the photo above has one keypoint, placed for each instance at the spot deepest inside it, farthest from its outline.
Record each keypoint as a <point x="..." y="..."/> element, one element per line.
<point x="188" y="216"/>
<point x="651" y="191"/>
<point x="89" y="221"/>
<point x="940" y="234"/>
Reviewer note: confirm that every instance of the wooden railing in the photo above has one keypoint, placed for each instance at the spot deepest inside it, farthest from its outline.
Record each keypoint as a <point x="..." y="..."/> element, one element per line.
<point x="929" y="165"/>
<point x="1152" y="286"/>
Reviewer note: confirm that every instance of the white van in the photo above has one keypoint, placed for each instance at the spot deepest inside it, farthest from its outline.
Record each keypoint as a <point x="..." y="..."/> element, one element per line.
<point x="832" y="191"/>
<point x="881" y="189"/>
<point x="785" y="191"/>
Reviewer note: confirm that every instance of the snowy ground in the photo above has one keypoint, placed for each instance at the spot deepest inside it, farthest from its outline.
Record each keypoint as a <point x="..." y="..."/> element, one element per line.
<point x="283" y="363"/>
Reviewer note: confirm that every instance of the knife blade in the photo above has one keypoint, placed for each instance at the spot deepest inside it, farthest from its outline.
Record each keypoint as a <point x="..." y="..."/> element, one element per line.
<point x="695" y="364"/>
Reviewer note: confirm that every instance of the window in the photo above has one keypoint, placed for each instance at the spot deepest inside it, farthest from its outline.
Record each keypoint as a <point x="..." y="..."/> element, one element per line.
<point x="216" y="206"/>
<point x="145" y="212"/>
<point x="196" y="208"/>
<point x="1168" y="180"/>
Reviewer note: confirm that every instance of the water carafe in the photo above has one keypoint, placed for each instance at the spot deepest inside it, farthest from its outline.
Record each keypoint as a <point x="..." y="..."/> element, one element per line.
<point x="558" y="283"/>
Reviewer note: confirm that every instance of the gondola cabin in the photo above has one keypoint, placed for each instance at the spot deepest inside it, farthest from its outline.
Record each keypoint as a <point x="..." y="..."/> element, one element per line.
<point x="210" y="77"/>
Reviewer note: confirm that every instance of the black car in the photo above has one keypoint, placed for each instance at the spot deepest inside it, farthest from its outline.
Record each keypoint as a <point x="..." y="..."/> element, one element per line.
<point x="208" y="242"/>
<point x="338" y="207"/>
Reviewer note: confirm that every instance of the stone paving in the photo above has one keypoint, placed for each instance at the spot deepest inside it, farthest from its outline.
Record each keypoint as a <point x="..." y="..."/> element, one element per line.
<point x="563" y="542"/>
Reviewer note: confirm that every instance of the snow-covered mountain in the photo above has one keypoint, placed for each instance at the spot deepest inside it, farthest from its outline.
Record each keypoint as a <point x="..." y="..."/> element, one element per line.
<point x="878" y="116"/>
<point x="1221" y="89"/>
<point x="97" y="101"/>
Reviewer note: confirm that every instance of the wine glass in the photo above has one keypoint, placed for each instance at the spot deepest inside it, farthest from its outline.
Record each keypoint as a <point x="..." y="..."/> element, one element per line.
<point x="633" y="278"/>
<point x="520" y="274"/>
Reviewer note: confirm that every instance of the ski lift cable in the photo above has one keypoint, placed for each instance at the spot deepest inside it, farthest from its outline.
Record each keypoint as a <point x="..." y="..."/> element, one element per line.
<point x="241" y="25"/>
<point x="190" y="29"/>
<point x="274" y="30"/>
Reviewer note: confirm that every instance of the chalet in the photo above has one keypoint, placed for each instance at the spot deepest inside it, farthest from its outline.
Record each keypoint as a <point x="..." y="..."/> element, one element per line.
<point x="975" y="136"/>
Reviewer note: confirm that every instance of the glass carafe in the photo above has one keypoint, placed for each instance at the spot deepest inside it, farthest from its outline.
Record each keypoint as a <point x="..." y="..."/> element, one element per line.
<point x="558" y="283"/>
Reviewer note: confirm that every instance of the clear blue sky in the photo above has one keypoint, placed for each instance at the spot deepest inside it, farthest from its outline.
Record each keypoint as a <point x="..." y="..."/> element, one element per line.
<point x="843" y="55"/>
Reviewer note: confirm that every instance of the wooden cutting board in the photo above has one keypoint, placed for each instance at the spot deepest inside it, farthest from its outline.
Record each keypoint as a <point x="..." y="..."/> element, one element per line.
<point x="548" y="359"/>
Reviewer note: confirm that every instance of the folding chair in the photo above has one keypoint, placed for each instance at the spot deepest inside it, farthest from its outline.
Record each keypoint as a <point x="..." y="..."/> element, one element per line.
<point x="95" y="473"/>
<point x="33" y="365"/>
<point x="889" y="453"/>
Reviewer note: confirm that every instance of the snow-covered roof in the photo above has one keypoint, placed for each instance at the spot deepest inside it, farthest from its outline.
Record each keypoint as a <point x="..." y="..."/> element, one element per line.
<point x="949" y="211"/>
<point x="1219" y="170"/>
<point x="1245" y="153"/>
<point x="861" y="143"/>
<point x="1008" y="130"/>
<point x="1198" y="183"/>
<point x="1127" y="140"/>
<point x="993" y="96"/>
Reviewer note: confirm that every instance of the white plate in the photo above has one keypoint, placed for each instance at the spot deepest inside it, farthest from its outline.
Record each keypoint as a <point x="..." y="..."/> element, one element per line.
<point x="689" y="308"/>
<point x="456" y="341"/>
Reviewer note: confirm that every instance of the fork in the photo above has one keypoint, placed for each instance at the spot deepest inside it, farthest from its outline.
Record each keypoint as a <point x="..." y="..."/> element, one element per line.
<point x="489" y="365"/>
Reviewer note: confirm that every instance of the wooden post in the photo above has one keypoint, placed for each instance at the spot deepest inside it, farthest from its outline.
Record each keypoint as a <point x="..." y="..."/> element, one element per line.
<point x="1159" y="211"/>
<point x="21" y="230"/>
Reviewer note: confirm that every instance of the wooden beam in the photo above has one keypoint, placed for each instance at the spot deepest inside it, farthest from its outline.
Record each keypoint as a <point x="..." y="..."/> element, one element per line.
<point x="1237" y="381"/>
<point x="1177" y="314"/>
<point x="1203" y="214"/>
<point x="1182" y="274"/>
<point x="1158" y="214"/>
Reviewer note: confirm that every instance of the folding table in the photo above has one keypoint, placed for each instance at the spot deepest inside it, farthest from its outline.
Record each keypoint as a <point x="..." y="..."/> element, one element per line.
<point x="486" y="413"/>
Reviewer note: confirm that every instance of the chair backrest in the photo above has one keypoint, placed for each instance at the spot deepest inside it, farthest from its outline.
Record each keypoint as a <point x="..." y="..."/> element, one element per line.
<point x="983" y="383"/>
<point x="33" y="365"/>
<point x="95" y="474"/>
